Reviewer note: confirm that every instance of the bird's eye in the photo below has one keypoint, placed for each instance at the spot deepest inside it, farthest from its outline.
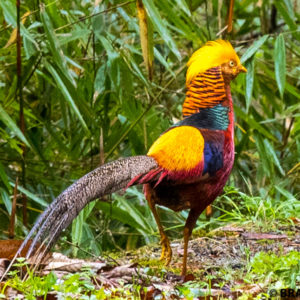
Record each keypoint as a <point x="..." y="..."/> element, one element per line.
<point x="231" y="63"/>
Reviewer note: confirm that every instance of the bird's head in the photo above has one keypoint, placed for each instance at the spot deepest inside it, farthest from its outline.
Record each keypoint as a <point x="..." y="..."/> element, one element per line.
<point x="217" y="53"/>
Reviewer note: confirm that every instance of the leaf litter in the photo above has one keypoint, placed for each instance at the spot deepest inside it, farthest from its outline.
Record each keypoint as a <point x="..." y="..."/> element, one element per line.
<point x="219" y="265"/>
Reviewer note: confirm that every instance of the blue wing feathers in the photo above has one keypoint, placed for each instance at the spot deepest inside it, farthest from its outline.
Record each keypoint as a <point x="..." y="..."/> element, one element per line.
<point x="213" y="158"/>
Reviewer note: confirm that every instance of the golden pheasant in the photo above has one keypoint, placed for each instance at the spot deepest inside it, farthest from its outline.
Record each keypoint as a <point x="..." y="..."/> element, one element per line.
<point x="186" y="167"/>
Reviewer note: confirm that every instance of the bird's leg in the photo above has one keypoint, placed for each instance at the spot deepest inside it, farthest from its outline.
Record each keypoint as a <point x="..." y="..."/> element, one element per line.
<point x="166" y="250"/>
<point x="188" y="228"/>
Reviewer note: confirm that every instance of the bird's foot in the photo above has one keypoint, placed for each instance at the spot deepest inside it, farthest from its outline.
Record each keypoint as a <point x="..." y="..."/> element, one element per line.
<point x="166" y="250"/>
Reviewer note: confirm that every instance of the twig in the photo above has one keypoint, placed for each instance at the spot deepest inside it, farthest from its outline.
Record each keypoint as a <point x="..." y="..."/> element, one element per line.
<point x="20" y="98"/>
<point x="230" y="16"/>
<point x="94" y="15"/>
<point x="11" y="231"/>
<point x="222" y="30"/>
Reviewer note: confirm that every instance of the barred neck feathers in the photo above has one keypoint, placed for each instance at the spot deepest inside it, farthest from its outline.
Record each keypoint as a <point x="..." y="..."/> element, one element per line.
<point x="206" y="90"/>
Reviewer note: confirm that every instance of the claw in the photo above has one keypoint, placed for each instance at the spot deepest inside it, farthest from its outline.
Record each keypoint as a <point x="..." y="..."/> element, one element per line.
<point x="166" y="250"/>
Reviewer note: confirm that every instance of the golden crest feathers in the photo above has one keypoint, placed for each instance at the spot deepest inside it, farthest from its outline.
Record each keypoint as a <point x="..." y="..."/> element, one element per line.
<point x="212" y="54"/>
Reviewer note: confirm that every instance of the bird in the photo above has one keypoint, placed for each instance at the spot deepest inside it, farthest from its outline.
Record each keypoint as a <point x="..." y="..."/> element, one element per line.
<point x="187" y="166"/>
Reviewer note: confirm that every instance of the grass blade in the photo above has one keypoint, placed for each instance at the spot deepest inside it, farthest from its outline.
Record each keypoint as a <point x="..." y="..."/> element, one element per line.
<point x="8" y="121"/>
<point x="285" y="193"/>
<point x="77" y="226"/>
<point x="135" y="214"/>
<point x="273" y="157"/>
<point x="249" y="82"/>
<point x="287" y="13"/>
<point x="121" y="215"/>
<point x="63" y="89"/>
<point x="280" y="63"/>
<point x="31" y="195"/>
<point x="183" y="5"/>
<point x="252" y="50"/>
<point x="4" y="177"/>
<point x="6" y="200"/>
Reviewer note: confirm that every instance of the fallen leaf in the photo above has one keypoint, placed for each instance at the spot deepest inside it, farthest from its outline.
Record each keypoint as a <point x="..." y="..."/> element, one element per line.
<point x="63" y="263"/>
<point x="263" y="236"/>
<point x="125" y="270"/>
<point x="13" y="36"/>
<point x="231" y="229"/>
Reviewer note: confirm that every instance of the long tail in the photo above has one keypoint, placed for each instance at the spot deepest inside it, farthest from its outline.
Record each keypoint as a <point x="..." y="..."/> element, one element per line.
<point x="104" y="180"/>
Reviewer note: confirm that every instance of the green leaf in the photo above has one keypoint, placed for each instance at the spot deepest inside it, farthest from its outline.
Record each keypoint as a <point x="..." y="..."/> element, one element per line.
<point x="253" y="49"/>
<point x="111" y="52"/>
<point x="273" y="157"/>
<point x="6" y="119"/>
<point x="121" y="215"/>
<point x="29" y="47"/>
<point x="285" y="193"/>
<point x="290" y="8"/>
<point x="135" y="214"/>
<point x="160" y="26"/>
<point x="98" y="21"/>
<point x="99" y="84"/>
<point x="66" y="93"/>
<point x="88" y="209"/>
<point x="4" y="177"/>
<point x="280" y="63"/>
<point x="9" y="11"/>
<point x="249" y="81"/>
<point x="288" y="87"/>
<point x="183" y="5"/>
<point x="264" y="158"/>
<point x="163" y="61"/>
<point x="58" y="55"/>
<point x="288" y="15"/>
<point x="31" y="195"/>
<point x="72" y="36"/>
<point x="6" y="200"/>
<point x="77" y="226"/>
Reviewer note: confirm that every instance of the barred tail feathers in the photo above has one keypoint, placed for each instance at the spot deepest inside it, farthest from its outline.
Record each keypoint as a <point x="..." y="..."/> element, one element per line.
<point x="104" y="180"/>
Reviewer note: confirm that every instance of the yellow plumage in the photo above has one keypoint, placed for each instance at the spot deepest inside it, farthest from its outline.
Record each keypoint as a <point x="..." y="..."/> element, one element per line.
<point x="212" y="54"/>
<point x="179" y="149"/>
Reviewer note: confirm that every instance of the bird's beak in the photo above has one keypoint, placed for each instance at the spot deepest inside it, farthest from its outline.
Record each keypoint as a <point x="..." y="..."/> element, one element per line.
<point x="242" y="69"/>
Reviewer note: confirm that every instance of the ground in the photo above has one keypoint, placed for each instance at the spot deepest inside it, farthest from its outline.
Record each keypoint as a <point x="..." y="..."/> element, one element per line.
<point x="231" y="262"/>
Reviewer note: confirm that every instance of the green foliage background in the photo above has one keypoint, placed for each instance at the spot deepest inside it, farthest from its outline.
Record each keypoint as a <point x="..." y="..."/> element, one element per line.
<point x="88" y="100"/>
